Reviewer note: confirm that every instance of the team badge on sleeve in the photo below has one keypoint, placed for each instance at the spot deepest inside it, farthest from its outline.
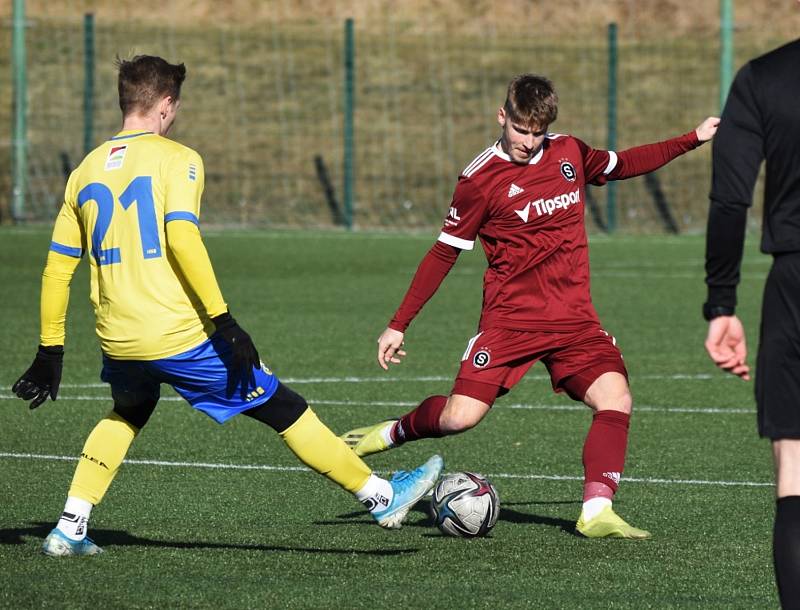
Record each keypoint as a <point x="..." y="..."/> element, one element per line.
<point x="115" y="157"/>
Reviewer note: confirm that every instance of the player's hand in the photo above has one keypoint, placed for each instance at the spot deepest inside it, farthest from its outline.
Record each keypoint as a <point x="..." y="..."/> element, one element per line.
<point x="706" y="130"/>
<point x="244" y="357"/>
<point x="390" y="348"/>
<point x="43" y="377"/>
<point x="727" y="347"/>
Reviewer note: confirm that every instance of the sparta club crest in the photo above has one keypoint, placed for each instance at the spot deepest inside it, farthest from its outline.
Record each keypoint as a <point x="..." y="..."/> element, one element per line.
<point x="568" y="171"/>
<point x="481" y="359"/>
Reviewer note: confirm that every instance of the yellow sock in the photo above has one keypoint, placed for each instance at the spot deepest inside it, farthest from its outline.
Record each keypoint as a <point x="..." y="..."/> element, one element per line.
<point x="320" y="449"/>
<point x="101" y="457"/>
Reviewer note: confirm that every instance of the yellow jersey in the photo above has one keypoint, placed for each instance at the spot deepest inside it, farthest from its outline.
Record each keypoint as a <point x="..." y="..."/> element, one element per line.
<point x="116" y="206"/>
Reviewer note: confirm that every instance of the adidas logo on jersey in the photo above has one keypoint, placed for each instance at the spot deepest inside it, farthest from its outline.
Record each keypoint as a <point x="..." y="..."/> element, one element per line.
<point x="514" y="190"/>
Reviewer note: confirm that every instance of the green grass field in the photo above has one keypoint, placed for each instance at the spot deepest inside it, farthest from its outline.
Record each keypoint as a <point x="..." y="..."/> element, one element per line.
<point x="221" y="516"/>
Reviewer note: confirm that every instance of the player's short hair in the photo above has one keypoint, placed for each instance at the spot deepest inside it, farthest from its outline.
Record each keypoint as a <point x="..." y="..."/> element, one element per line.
<point x="144" y="80"/>
<point x="531" y="101"/>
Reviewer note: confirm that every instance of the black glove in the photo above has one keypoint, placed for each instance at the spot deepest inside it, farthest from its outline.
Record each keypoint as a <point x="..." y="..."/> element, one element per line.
<point x="43" y="377"/>
<point x="244" y="356"/>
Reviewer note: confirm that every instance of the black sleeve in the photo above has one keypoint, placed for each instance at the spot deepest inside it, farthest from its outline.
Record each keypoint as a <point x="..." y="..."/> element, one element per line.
<point x="738" y="151"/>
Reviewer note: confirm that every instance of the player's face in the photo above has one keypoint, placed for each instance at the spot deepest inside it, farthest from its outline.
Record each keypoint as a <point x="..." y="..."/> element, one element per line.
<point x="520" y="142"/>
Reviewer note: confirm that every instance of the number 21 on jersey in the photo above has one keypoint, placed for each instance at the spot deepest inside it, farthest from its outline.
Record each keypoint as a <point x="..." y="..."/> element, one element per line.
<point x="140" y="192"/>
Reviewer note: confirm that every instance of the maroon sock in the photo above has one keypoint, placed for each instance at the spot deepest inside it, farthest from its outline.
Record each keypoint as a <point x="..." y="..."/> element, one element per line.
<point x="604" y="450"/>
<point x="422" y="422"/>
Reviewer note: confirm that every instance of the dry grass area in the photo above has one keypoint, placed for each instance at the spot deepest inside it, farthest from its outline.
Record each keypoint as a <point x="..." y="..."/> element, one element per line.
<point x="264" y="96"/>
<point x="545" y="17"/>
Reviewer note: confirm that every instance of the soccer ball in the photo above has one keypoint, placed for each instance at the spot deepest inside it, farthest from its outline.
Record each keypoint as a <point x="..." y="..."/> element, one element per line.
<point x="465" y="504"/>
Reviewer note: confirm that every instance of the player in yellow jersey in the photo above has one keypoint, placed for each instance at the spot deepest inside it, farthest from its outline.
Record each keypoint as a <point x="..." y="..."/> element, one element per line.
<point x="133" y="205"/>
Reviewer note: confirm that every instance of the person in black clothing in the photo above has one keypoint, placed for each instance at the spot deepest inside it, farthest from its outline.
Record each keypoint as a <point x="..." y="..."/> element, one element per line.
<point x="761" y="122"/>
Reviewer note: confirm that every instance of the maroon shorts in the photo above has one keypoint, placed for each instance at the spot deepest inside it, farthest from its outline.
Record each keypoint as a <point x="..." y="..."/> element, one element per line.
<point x="497" y="358"/>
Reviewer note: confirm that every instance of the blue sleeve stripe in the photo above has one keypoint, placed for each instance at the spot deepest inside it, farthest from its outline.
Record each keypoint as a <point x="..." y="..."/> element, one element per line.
<point x="181" y="216"/>
<point x="67" y="250"/>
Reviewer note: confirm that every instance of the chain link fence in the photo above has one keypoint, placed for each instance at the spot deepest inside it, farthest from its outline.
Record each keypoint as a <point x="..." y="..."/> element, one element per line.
<point x="263" y="104"/>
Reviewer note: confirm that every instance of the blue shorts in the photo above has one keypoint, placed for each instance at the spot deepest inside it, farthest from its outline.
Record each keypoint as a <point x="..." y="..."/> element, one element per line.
<point x="199" y="375"/>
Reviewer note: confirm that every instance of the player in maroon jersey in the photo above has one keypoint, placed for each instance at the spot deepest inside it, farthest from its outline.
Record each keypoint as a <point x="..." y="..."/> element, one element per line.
<point x="524" y="198"/>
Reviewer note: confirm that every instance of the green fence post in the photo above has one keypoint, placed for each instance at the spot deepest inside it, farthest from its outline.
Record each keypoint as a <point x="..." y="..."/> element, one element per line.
<point x="725" y="50"/>
<point x="88" y="83"/>
<point x="611" y="193"/>
<point x="20" y="133"/>
<point x="349" y="105"/>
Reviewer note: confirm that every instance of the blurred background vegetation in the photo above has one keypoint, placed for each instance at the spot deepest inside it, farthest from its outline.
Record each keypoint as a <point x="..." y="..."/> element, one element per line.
<point x="264" y="98"/>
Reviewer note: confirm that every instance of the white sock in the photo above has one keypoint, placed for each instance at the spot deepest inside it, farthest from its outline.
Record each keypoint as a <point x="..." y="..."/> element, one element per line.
<point x="593" y="506"/>
<point x="376" y="494"/>
<point x="74" y="520"/>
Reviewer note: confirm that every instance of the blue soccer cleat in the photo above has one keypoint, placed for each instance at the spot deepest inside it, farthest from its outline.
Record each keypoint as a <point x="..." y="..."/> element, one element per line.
<point x="58" y="545"/>
<point x="408" y="488"/>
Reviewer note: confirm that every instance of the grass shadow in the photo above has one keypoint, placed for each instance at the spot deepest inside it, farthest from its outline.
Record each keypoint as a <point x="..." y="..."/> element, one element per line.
<point x="422" y="510"/>
<point x="111" y="538"/>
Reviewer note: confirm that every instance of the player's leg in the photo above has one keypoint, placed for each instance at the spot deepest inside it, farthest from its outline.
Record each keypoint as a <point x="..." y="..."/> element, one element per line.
<point x="786" y="531"/>
<point x="103" y="452"/>
<point x="590" y="369"/>
<point x="494" y="361"/>
<point x="434" y="417"/>
<point x="604" y="457"/>
<point x="200" y="375"/>
<point x="607" y="439"/>
<point x="321" y="450"/>
<point x="777" y="389"/>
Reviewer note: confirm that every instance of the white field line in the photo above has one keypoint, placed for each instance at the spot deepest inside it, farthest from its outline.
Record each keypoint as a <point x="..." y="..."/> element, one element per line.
<point x="668" y="276"/>
<point x="408" y="404"/>
<point x="633" y="272"/>
<point x="384" y="379"/>
<point x="573" y="407"/>
<point x="691" y="263"/>
<point x="501" y="475"/>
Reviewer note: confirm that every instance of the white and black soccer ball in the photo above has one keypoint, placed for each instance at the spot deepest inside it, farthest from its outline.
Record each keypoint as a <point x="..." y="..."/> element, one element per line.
<point x="465" y="504"/>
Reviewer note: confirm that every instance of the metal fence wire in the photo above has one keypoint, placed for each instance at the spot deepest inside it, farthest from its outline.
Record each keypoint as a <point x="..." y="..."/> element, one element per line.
<point x="263" y="105"/>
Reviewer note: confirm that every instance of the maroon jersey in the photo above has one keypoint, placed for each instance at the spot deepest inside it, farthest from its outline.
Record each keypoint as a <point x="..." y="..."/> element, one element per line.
<point x="530" y="221"/>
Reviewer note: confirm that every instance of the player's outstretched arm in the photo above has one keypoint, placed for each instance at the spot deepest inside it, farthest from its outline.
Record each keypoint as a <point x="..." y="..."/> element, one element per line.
<point x="727" y="347"/>
<point x="390" y="348"/>
<point x="707" y="129"/>
<point x="644" y="159"/>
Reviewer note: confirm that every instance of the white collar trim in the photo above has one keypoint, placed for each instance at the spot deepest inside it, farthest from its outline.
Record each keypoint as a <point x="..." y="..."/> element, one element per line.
<point x="534" y="159"/>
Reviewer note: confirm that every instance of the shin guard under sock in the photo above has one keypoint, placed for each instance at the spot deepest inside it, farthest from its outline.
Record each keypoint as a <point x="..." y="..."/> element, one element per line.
<point x="605" y="447"/>
<point x="102" y="455"/>
<point x="422" y="422"/>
